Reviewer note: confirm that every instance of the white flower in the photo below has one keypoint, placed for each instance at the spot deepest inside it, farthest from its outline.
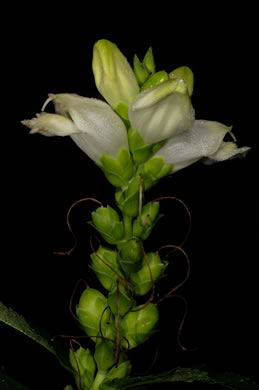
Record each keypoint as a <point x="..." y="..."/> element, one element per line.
<point x="162" y="112"/>
<point x="203" y="140"/>
<point x="114" y="77"/>
<point x="91" y="123"/>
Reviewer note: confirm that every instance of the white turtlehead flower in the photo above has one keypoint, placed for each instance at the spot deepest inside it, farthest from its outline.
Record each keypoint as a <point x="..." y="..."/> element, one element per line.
<point x="162" y="112"/>
<point x="114" y="77"/>
<point x="203" y="140"/>
<point x="91" y="123"/>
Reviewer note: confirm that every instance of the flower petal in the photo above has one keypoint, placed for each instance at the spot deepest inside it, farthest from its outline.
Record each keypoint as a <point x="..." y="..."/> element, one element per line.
<point x="226" y="151"/>
<point x="204" y="139"/>
<point x="162" y="111"/>
<point x="50" y="124"/>
<point x="100" y="130"/>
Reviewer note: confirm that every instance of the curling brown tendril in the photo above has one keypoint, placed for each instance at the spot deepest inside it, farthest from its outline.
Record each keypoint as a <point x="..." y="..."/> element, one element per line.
<point x="68" y="252"/>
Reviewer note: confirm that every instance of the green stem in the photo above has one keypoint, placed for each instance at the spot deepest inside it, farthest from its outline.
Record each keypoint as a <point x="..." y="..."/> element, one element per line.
<point x="127" y="226"/>
<point x="98" y="380"/>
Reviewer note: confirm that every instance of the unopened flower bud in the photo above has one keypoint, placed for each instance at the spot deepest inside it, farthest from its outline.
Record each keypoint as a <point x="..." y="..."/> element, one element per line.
<point x="156" y="79"/>
<point x="141" y="280"/>
<point x="114" y="77"/>
<point x="107" y="222"/>
<point x="143" y="226"/>
<point x="149" y="61"/>
<point x="83" y="365"/>
<point x="91" y="307"/>
<point x="140" y="70"/>
<point x="106" y="267"/>
<point x="130" y="256"/>
<point x="138" y="326"/>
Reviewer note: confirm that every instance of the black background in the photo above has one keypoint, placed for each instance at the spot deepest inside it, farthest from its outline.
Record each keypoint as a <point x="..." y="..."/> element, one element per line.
<point x="47" y="51"/>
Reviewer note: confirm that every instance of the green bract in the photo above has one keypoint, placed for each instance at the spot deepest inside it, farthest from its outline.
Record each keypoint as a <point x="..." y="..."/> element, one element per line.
<point x="141" y="280"/>
<point x="107" y="221"/>
<point x="83" y="365"/>
<point x="130" y="255"/>
<point x="138" y="326"/>
<point x="91" y="307"/>
<point x="104" y="355"/>
<point x="120" y="296"/>
<point x="106" y="267"/>
<point x="142" y="227"/>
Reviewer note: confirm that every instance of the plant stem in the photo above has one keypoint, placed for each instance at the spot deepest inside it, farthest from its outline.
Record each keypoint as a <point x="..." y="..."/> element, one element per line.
<point x="98" y="379"/>
<point x="127" y="226"/>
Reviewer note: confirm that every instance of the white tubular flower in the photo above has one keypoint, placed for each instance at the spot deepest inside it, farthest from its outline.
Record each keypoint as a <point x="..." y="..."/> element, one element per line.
<point x="114" y="77"/>
<point x="203" y="140"/>
<point x="91" y="123"/>
<point x="162" y="112"/>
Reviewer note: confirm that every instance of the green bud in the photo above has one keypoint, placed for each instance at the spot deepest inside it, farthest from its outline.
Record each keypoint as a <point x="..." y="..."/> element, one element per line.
<point x="107" y="222"/>
<point x="120" y="292"/>
<point x="185" y="73"/>
<point x="68" y="387"/>
<point x="138" y="326"/>
<point x="104" y="355"/>
<point x="140" y="152"/>
<point x="149" y="217"/>
<point x="156" y="79"/>
<point x="83" y="361"/>
<point x="107" y="273"/>
<point x="90" y="309"/>
<point x="141" y="280"/>
<point x="122" y="371"/>
<point x="130" y="256"/>
<point x="118" y="171"/>
<point x="140" y="70"/>
<point x="149" y="61"/>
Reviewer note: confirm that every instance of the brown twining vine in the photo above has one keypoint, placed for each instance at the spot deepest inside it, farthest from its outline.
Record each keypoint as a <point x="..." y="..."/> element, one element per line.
<point x="170" y="294"/>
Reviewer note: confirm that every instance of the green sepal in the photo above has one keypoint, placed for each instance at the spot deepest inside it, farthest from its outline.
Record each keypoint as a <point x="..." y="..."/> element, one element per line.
<point x="141" y="152"/>
<point x="149" y="61"/>
<point x="143" y="226"/>
<point x="156" y="79"/>
<point x="121" y="293"/>
<point x="104" y="355"/>
<point x="154" y="170"/>
<point x="138" y="326"/>
<point x="122" y="371"/>
<point x="136" y="141"/>
<point x="141" y="280"/>
<point x="130" y="255"/>
<point x="140" y="70"/>
<point x="122" y="110"/>
<point x="89" y="310"/>
<point x="128" y="199"/>
<point x="84" y="367"/>
<point x="107" y="222"/>
<point x="185" y="73"/>
<point x="118" y="171"/>
<point x="106" y="267"/>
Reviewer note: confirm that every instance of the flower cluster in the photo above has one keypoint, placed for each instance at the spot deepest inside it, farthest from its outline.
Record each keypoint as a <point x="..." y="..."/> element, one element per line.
<point x="144" y="131"/>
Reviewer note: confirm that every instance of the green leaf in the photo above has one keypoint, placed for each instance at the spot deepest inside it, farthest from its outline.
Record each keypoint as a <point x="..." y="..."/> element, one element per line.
<point x="187" y="375"/>
<point x="7" y="383"/>
<point x="16" y="321"/>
